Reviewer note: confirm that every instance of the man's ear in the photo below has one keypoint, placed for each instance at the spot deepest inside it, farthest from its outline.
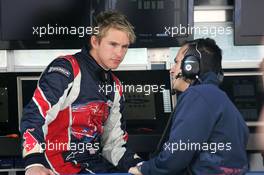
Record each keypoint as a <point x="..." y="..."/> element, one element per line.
<point x="94" y="41"/>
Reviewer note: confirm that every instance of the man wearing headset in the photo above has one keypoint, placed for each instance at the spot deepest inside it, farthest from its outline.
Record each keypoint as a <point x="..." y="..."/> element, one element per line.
<point x="207" y="134"/>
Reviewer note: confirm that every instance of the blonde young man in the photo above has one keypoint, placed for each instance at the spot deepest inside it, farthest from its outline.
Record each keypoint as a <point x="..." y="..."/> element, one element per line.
<point x="74" y="122"/>
<point x="208" y="134"/>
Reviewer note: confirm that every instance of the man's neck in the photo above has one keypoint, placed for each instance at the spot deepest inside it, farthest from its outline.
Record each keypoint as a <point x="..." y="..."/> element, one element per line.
<point x="95" y="57"/>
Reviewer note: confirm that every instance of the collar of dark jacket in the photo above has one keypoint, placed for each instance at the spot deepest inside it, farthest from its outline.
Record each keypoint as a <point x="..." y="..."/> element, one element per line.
<point x="209" y="78"/>
<point x="97" y="69"/>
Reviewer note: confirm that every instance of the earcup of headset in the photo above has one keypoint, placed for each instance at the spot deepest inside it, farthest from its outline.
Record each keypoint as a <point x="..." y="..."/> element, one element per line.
<point x="190" y="66"/>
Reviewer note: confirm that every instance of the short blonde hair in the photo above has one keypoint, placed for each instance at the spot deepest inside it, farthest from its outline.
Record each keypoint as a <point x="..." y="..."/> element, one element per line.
<point x="112" y="19"/>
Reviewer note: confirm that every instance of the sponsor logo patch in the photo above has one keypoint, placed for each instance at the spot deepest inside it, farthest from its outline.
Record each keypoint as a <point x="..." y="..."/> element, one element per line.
<point x="59" y="70"/>
<point x="29" y="140"/>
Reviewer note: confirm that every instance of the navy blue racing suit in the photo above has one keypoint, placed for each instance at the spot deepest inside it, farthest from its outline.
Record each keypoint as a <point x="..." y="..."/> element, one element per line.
<point x="74" y="121"/>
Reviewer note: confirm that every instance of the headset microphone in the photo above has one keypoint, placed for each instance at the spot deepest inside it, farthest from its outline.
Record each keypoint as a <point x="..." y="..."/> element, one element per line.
<point x="179" y="75"/>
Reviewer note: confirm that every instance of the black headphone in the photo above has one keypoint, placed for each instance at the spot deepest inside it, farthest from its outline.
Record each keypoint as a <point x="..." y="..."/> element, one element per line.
<point x="190" y="64"/>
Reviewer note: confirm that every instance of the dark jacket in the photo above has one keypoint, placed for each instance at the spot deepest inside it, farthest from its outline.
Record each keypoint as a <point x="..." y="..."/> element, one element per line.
<point x="208" y="135"/>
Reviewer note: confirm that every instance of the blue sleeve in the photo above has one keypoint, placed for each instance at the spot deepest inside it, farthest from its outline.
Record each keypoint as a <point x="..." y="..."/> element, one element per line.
<point x="192" y="123"/>
<point x="51" y="86"/>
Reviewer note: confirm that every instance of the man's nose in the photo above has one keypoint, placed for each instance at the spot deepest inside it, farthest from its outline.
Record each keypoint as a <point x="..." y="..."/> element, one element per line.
<point x="119" y="52"/>
<point x="172" y="69"/>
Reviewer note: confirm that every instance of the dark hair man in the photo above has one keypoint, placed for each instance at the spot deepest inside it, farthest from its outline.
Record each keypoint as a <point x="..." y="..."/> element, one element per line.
<point x="208" y="134"/>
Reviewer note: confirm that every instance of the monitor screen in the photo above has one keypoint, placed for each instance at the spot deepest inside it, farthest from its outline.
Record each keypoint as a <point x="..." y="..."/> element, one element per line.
<point x="136" y="103"/>
<point x="158" y="23"/>
<point x="34" y="24"/>
<point x="28" y="89"/>
<point x="147" y="94"/>
<point x="3" y="104"/>
<point x="67" y="24"/>
<point x="248" y="29"/>
<point x="246" y="92"/>
<point x="26" y="86"/>
<point x="8" y="104"/>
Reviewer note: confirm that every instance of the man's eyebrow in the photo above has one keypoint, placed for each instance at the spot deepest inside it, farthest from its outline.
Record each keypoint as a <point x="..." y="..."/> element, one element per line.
<point x="125" y="45"/>
<point x="114" y="42"/>
<point x="122" y="45"/>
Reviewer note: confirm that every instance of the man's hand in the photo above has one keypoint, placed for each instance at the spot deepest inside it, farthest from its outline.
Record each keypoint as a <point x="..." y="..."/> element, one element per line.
<point x="39" y="170"/>
<point x="135" y="171"/>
